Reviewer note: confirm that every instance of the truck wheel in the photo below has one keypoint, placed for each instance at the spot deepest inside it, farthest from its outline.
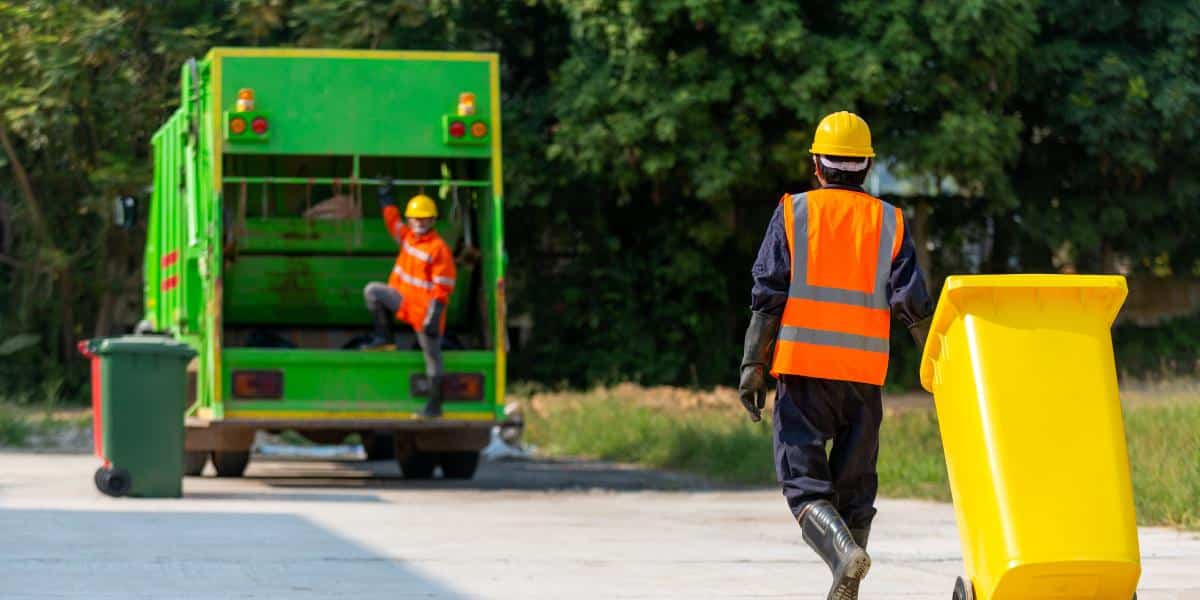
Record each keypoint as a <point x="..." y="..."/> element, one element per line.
<point x="379" y="445"/>
<point x="963" y="590"/>
<point x="193" y="462"/>
<point x="418" y="465"/>
<point x="459" y="465"/>
<point x="114" y="482"/>
<point x="230" y="463"/>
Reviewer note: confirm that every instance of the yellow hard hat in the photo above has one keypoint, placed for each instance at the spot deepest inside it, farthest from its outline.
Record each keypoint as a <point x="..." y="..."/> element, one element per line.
<point x="843" y="134"/>
<point x="420" y="207"/>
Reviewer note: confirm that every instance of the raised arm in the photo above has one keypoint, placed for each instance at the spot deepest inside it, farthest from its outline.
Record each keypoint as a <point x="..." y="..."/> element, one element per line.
<point x="392" y="217"/>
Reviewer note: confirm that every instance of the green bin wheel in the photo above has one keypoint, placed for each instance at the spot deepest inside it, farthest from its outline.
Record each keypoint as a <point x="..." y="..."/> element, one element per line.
<point x="963" y="590"/>
<point x="114" y="482"/>
<point x="193" y="462"/>
<point x="459" y="465"/>
<point x="418" y="465"/>
<point x="231" y="463"/>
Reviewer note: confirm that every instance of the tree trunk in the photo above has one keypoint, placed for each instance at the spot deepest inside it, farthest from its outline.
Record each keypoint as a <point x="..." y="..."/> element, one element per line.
<point x="66" y="295"/>
<point x="1001" y="246"/>
<point x="35" y="209"/>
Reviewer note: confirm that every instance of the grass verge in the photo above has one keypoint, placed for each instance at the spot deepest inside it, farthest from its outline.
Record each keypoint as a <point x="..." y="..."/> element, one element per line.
<point x="28" y="427"/>
<point x="718" y="442"/>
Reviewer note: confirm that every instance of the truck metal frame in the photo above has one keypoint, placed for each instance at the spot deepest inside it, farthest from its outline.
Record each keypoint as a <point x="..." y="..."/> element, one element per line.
<point x="231" y="259"/>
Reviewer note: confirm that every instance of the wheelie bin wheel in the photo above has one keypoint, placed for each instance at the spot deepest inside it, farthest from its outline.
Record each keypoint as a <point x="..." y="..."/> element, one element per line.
<point x="963" y="590"/>
<point x="418" y="465"/>
<point x="193" y="462"/>
<point x="114" y="482"/>
<point x="231" y="463"/>
<point x="459" y="465"/>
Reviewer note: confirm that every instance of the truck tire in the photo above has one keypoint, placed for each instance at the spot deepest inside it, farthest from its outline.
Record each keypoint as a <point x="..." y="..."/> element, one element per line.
<point x="379" y="445"/>
<point x="230" y="463"/>
<point x="193" y="462"/>
<point x="459" y="465"/>
<point x="418" y="465"/>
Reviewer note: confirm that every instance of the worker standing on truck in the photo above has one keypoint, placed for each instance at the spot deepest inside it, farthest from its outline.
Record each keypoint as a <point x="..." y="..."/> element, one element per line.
<point x="418" y="288"/>
<point x="835" y="264"/>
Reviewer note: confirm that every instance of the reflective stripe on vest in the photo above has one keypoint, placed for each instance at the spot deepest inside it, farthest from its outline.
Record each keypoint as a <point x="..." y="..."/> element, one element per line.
<point x="419" y="254"/>
<point x="833" y="332"/>
<point x="409" y="279"/>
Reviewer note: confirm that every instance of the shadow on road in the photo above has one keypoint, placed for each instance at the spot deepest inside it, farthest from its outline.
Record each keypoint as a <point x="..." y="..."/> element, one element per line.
<point x="525" y="475"/>
<point x="283" y="497"/>
<point x="118" y="554"/>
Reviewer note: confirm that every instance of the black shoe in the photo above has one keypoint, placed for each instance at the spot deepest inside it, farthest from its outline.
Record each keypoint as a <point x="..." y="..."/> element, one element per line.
<point x="433" y="408"/>
<point x="825" y="531"/>
<point x="377" y="343"/>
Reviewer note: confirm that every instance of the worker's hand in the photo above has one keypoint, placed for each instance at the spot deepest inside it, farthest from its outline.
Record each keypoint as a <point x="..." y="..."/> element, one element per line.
<point x="753" y="390"/>
<point x="760" y="339"/>
<point x="385" y="192"/>
<point x="433" y="319"/>
<point x="920" y="331"/>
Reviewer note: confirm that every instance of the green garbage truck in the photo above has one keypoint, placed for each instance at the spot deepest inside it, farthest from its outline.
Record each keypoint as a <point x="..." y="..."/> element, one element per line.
<point x="263" y="230"/>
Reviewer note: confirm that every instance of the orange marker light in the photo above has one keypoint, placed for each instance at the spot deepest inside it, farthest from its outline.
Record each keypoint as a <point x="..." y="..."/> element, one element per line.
<point x="466" y="104"/>
<point x="245" y="100"/>
<point x="237" y="126"/>
<point x="479" y="129"/>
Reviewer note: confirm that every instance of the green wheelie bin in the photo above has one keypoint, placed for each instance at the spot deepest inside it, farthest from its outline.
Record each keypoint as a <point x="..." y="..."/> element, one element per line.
<point x="139" y="388"/>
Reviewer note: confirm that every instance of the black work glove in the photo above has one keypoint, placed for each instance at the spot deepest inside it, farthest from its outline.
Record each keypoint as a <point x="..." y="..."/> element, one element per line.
<point x="385" y="193"/>
<point x="433" y="319"/>
<point x="920" y="331"/>
<point x="760" y="340"/>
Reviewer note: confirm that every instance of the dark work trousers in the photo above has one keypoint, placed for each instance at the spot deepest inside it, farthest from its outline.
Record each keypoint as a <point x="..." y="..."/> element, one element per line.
<point x="810" y="412"/>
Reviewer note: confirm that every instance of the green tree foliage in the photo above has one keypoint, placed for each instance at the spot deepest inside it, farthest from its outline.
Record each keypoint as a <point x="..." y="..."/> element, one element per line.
<point x="82" y="87"/>
<point x="647" y="142"/>
<point x="1111" y="103"/>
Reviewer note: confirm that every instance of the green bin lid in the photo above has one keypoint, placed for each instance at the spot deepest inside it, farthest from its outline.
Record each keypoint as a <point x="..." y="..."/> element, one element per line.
<point x="141" y="344"/>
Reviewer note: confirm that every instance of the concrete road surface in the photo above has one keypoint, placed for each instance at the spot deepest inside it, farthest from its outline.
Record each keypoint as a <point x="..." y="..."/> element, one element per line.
<point x="356" y="530"/>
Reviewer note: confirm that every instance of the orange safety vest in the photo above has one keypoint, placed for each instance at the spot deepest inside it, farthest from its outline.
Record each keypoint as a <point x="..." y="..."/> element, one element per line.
<point x="837" y="320"/>
<point x="424" y="271"/>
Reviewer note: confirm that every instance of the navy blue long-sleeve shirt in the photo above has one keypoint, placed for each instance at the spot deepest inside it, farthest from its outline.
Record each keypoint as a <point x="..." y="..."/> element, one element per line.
<point x="772" y="274"/>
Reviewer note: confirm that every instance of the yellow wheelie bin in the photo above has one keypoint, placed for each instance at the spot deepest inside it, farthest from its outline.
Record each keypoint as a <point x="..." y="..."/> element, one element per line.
<point x="1021" y="370"/>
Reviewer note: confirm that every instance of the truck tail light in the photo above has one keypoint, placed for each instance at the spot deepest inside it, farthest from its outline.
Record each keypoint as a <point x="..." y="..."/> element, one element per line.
<point x="259" y="125"/>
<point x="258" y="384"/>
<point x="479" y="129"/>
<point x="456" y="387"/>
<point x="457" y="129"/>
<point x="237" y="126"/>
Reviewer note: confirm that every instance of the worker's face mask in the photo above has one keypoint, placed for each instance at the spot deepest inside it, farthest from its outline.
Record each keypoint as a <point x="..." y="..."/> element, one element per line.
<point x="420" y="226"/>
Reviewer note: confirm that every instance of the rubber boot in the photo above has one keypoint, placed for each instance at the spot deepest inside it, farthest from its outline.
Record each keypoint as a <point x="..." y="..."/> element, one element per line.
<point x="433" y="408"/>
<point x="381" y="335"/>
<point x="825" y="531"/>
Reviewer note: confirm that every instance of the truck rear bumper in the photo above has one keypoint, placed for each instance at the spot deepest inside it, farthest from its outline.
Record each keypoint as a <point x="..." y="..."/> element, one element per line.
<point x="430" y="435"/>
<point x="347" y="389"/>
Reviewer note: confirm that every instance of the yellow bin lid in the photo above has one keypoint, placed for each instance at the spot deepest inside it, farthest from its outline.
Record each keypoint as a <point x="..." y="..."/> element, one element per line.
<point x="1103" y="293"/>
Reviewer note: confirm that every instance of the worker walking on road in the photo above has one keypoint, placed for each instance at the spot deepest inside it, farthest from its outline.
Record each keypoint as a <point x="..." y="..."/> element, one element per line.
<point x="835" y="264"/>
<point x="418" y="288"/>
